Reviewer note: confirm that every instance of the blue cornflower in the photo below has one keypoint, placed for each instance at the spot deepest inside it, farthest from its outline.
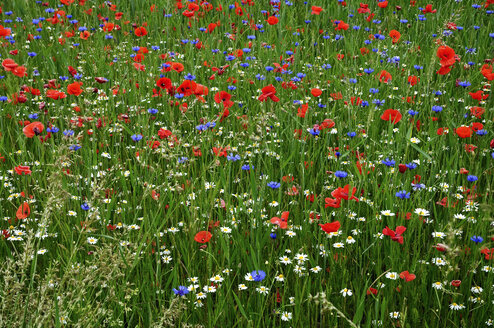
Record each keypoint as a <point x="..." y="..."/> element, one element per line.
<point x="136" y="137"/>
<point x="418" y="186"/>
<point x="52" y="129"/>
<point x="388" y="162"/>
<point x="272" y="235"/>
<point x="481" y="132"/>
<point x="152" y="111"/>
<point x="351" y="134"/>
<point x="340" y="174"/>
<point x="472" y="178"/>
<point x="477" y="239"/>
<point x="233" y="158"/>
<point x="402" y="194"/>
<point x="201" y="127"/>
<point x="33" y="116"/>
<point x="314" y="132"/>
<point x="258" y="275"/>
<point x="85" y="207"/>
<point x="437" y="109"/>
<point x="412" y="112"/>
<point x="247" y="167"/>
<point x="181" y="291"/>
<point x="74" y="147"/>
<point x="274" y="185"/>
<point x="68" y="133"/>
<point x="182" y="160"/>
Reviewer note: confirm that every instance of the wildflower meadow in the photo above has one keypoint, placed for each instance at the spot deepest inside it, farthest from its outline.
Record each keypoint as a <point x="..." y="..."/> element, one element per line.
<point x="279" y="163"/>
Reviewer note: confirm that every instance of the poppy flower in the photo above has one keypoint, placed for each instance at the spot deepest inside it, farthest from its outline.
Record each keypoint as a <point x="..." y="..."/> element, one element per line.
<point x="223" y="97"/>
<point x="19" y="71"/>
<point x="371" y="290"/>
<point x="74" y="88"/>
<point x="330" y="227"/>
<point x="413" y="80"/>
<point x="477" y="111"/>
<point x="382" y="4"/>
<point x="395" y="36"/>
<point x="268" y="92"/>
<point x="281" y="222"/>
<point x="330" y="202"/>
<point x="407" y="276"/>
<point x="55" y="94"/>
<point x="316" y="92"/>
<point x="33" y="129"/>
<point x="273" y="20"/>
<point x="392" y="115"/>
<point x="203" y="237"/>
<point x="395" y="235"/>
<point x="464" y="132"/>
<point x="23" y="211"/>
<point x="343" y="193"/>
<point x="4" y="31"/>
<point x="478" y="95"/>
<point x="385" y="76"/>
<point x="22" y="170"/>
<point x="447" y="55"/>
<point x="316" y="10"/>
<point x="302" y="110"/>
<point x="9" y="64"/>
<point x="428" y="9"/>
<point x="164" y="83"/>
<point x="140" y="31"/>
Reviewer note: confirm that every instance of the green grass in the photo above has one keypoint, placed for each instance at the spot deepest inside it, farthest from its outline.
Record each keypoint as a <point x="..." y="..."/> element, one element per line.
<point x="52" y="275"/>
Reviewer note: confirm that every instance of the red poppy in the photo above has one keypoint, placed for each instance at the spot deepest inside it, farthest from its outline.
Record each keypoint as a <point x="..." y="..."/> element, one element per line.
<point x="23" y="211"/>
<point x="382" y="4"/>
<point x="187" y="88"/>
<point x="33" y="129"/>
<point x="164" y="83"/>
<point x="316" y="92"/>
<point x="413" y="80"/>
<point x="316" y="10"/>
<point x="392" y="115"/>
<point x="477" y="111"/>
<point x="302" y="110"/>
<point x="395" y="235"/>
<point x="283" y="222"/>
<point x="273" y="20"/>
<point x="203" y="237"/>
<point x="447" y="55"/>
<point x="330" y="202"/>
<point x="343" y="193"/>
<point x="223" y="97"/>
<point x="407" y="276"/>
<point x="371" y="291"/>
<point x="464" y="132"/>
<point x="74" y="88"/>
<point x="478" y="95"/>
<point x="19" y="71"/>
<point x="456" y="283"/>
<point x="385" y="77"/>
<point x="428" y="9"/>
<point x="395" y="36"/>
<point x="140" y="31"/>
<point x="55" y="94"/>
<point x="269" y="92"/>
<point x="330" y="227"/>
<point x="9" y="64"/>
<point x="22" y="170"/>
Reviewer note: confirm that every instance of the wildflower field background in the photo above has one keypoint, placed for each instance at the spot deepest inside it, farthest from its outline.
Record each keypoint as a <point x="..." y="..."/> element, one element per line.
<point x="246" y="163"/>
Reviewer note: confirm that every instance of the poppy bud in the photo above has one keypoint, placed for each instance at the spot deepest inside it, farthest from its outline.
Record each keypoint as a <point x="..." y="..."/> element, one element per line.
<point x="492" y="143"/>
<point x="456" y="283"/>
<point x="402" y="168"/>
